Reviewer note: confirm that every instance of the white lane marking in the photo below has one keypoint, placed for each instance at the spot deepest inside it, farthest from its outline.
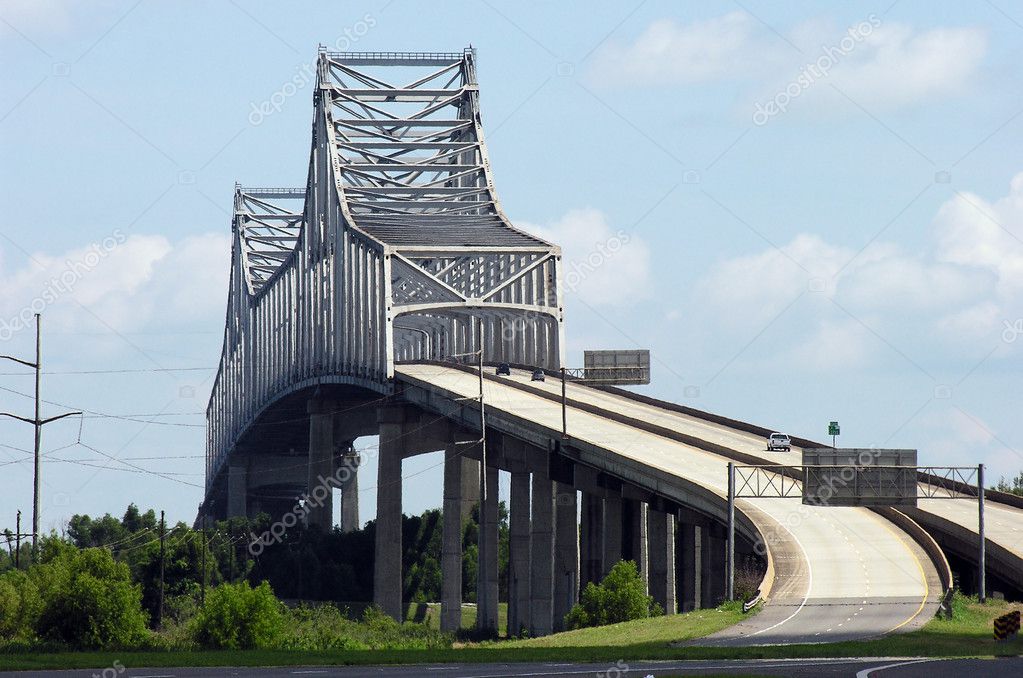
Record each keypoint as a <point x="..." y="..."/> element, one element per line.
<point x="688" y="666"/>
<point x="809" y="583"/>
<point x="866" y="673"/>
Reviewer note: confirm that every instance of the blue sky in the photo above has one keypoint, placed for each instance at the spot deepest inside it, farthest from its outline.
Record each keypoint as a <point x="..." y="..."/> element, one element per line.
<point x="819" y="208"/>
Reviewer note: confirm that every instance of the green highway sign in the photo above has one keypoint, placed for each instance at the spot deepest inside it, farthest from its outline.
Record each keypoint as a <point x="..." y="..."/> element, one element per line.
<point x="833" y="429"/>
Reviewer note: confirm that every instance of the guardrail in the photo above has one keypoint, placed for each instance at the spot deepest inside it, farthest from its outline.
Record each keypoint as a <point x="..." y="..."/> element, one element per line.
<point x="752" y="602"/>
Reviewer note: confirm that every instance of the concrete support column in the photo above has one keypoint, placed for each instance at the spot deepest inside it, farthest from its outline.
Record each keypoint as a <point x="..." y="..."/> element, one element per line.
<point x="566" y="553"/>
<point x="612" y="533"/>
<point x="591" y="541"/>
<point x="661" y="535"/>
<point x="712" y="569"/>
<point x="470" y="486"/>
<point x="387" y="571"/>
<point x="691" y="566"/>
<point x="634" y="540"/>
<point x="237" y="490"/>
<point x="541" y="585"/>
<point x="451" y="547"/>
<point x="348" y="474"/>
<point x="320" y="488"/>
<point x="487" y="567"/>
<point x="518" y="555"/>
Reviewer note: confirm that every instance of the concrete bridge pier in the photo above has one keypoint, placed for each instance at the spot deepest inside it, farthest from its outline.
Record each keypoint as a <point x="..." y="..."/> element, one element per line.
<point x="591" y="542"/>
<point x="451" y="545"/>
<point x="348" y="474"/>
<point x="487" y="584"/>
<point x="566" y="553"/>
<point x="713" y="566"/>
<point x="541" y="585"/>
<point x="612" y="533"/>
<point x="518" y="554"/>
<point x="690" y="566"/>
<point x="661" y="536"/>
<point x="634" y="539"/>
<point x="387" y="570"/>
<point x="321" y="484"/>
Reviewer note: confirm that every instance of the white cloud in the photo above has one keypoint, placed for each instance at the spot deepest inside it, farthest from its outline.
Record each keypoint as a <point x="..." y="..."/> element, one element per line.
<point x="895" y="66"/>
<point x="669" y="52"/>
<point x="755" y="288"/>
<point x="601" y="266"/>
<point x="952" y="298"/>
<point x="880" y="65"/>
<point x="43" y="16"/>
<point x="129" y="282"/>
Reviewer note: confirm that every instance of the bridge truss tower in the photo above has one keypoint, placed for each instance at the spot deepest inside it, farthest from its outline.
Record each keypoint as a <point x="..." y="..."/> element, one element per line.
<point x="394" y="250"/>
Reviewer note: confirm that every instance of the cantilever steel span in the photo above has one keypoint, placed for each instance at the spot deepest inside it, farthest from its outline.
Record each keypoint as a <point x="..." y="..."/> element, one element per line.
<point x="393" y="248"/>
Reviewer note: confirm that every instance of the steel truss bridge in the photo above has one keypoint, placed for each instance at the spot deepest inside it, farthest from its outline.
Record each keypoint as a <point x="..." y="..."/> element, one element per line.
<point x="349" y="295"/>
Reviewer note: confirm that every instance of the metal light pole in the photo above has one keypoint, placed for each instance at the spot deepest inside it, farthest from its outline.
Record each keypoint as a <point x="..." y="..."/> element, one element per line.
<point x="981" y="576"/>
<point x="484" y="526"/>
<point x="564" y="407"/>
<point x="730" y="561"/>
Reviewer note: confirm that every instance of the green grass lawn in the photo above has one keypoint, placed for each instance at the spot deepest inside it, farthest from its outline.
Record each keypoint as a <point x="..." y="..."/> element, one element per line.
<point x="429" y="614"/>
<point x="967" y="635"/>
<point x="652" y="631"/>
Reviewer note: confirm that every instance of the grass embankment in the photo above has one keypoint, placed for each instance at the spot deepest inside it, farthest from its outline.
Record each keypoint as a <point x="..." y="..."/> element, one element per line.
<point x="968" y="634"/>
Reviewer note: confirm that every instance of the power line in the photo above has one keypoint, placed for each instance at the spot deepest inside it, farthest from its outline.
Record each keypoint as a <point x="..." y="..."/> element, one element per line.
<point x="103" y="415"/>
<point x="122" y="371"/>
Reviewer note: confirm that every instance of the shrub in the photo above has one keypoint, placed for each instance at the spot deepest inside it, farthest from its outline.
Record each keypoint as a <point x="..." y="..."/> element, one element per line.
<point x="87" y="600"/>
<point x="323" y="627"/>
<point x="239" y="617"/>
<point x="20" y="606"/>
<point x="621" y="596"/>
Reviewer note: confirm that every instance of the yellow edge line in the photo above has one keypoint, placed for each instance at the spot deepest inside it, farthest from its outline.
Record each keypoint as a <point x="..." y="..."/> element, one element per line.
<point x="923" y="576"/>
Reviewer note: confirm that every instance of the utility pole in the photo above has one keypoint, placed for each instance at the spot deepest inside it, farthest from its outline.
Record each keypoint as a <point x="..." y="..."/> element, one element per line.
<point x="159" y="611"/>
<point x="17" y="543"/>
<point x="37" y="423"/>
<point x="202" y="589"/>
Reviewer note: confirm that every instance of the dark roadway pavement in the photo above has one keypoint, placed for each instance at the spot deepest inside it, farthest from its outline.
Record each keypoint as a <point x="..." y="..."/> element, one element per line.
<point x="797" y="668"/>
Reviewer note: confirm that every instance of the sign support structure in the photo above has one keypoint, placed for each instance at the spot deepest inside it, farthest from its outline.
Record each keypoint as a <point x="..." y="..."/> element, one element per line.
<point x="779" y="481"/>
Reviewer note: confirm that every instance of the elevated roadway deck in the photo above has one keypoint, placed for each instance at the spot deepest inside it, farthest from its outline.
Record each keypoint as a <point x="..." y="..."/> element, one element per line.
<point x="838" y="573"/>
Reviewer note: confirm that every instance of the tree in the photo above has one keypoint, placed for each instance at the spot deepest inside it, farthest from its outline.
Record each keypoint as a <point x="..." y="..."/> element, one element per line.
<point x="621" y="596"/>
<point x="239" y="617"/>
<point x="1016" y="487"/>
<point x="87" y="599"/>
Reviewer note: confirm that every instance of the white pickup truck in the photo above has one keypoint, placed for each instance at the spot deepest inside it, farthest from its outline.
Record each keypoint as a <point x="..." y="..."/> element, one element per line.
<point x="779" y="441"/>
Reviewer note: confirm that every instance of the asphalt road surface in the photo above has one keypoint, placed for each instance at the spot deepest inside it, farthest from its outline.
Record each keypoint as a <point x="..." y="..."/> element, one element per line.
<point x="841" y="573"/>
<point x="795" y="668"/>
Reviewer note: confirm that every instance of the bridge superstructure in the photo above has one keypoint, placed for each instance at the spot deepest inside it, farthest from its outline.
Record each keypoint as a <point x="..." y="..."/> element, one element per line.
<point x="394" y="250"/>
<point x="346" y="297"/>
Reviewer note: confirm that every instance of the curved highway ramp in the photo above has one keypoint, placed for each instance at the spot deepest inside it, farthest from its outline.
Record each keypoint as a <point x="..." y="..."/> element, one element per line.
<point x="834" y="573"/>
